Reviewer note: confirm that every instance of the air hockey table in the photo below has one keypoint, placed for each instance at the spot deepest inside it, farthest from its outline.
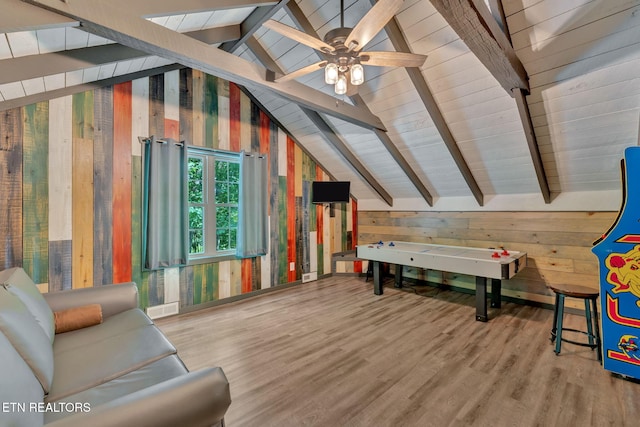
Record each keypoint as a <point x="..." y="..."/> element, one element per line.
<point x="484" y="264"/>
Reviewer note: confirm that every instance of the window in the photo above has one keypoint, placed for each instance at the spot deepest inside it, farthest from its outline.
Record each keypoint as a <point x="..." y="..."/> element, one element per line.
<point x="213" y="198"/>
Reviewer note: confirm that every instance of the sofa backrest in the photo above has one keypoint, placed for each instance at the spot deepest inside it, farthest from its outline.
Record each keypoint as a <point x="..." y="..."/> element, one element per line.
<point x="20" y="391"/>
<point x="24" y="333"/>
<point x="18" y="282"/>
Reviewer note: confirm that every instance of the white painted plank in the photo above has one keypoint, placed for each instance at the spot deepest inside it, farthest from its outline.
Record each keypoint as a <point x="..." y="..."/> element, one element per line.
<point x="140" y="109"/>
<point x="60" y="157"/>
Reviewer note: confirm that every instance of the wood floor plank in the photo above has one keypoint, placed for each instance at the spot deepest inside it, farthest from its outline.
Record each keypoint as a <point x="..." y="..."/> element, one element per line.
<point x="331" y="352"/>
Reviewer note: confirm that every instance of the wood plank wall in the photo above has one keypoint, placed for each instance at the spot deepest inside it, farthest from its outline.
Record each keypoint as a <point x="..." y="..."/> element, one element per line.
<point x="558" y="244"/>
<point x="71" y="169"/>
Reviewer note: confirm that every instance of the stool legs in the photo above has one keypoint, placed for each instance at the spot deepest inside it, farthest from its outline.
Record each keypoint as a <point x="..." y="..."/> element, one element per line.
<point x="559" y="315"/>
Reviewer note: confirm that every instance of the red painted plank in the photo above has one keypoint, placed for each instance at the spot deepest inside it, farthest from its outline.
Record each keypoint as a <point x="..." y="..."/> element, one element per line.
<point x="172" y="129"/>
<point x="291" y="208"/>
<point x="234" y="117"/>
<point x="122" y="116"/>
<point x="265" y="140"/>
<point x="246" y="275"/>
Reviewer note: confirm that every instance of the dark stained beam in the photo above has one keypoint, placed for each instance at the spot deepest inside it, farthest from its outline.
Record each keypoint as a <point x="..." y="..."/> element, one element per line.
<point x="70" y="90"/>
<point x="520" y="96"/>
<point x="252" y="23"/>
<point x="330" y="135"/>
<point x="400" y="44"/>
<point x="103" y="19"/>
<point x="477" y="27"/>
<point x="398" y="157"/>
<point x="325" y="128"/>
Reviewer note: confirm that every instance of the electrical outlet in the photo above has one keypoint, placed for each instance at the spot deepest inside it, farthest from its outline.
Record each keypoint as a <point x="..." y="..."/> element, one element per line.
<point x="292" y="266"/>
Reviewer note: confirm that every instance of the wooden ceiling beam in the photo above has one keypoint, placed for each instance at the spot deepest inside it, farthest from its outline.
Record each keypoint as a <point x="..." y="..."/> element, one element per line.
<point x="327" y="131"/>
<point x="477" y="27"/>
<point x="216" y="35"/>
<point x="252" y="23"/>
<point x="115" y="24"/>
<point x="400" y="44"/>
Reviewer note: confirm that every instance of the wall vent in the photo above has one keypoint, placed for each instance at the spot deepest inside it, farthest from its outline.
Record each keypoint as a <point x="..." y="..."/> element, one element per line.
<point x="163" y="310"/>
<point x="309" y="277"/>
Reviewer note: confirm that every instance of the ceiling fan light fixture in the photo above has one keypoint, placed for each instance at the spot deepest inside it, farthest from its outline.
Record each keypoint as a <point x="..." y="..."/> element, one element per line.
<point x="357" y="74"/>
<point x="331" y="73"/>
<point x="341" y="85"/>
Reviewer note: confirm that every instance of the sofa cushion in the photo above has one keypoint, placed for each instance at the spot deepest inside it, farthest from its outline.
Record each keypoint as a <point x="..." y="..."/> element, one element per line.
<point x="156" y="372"/>
<point x="27" y="337"/>
<point x="105" y="360"/>
<point x="20" y="389"/>
<point x="16" y="281"/>
<point x="111" y="326"/>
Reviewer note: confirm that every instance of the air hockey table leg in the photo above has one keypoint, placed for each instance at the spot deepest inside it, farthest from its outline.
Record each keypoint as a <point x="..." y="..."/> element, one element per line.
<point x="496" y="293"/>
<point x="398" y="277"/>
<point x="481" y="299"/>
<point x="377" y="277"/>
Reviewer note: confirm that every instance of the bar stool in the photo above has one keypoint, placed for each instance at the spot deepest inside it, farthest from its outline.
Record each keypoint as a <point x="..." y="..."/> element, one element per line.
<point x="590" y="297"/>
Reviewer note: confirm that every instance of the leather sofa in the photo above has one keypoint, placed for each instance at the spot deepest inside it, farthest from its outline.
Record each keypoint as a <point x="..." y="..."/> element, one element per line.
<point x="120" y="372"/>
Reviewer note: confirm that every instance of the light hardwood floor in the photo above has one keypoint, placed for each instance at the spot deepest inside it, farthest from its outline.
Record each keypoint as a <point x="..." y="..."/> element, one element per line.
<point x="330" y="353"/>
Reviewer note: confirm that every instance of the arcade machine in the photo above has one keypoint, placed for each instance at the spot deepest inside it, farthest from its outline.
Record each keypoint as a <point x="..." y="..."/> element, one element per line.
<point x="618" y="251"/>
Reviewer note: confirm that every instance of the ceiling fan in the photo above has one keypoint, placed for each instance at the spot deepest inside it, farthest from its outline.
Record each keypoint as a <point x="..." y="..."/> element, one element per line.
<point x="342" y="47"/>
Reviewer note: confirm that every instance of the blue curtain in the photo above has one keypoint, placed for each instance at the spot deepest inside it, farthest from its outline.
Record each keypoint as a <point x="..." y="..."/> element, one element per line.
<point x="253" y="224"/>
<point x="164" y="204"/>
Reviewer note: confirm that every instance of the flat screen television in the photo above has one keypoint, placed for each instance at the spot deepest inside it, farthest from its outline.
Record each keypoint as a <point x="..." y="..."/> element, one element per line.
<point x="330" y="191"/>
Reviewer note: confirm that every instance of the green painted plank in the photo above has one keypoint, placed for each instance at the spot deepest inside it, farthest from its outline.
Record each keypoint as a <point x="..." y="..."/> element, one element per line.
<point x="274" y="206"/>
<point x="198" y="281"/>
<point x="35" y="192"/>
<point x="11" y="178"/>
<point x="103" y="186"/>
<point x="211" y="112"/>
<point x="283" y="266"/>
<point x="186" y="286"/>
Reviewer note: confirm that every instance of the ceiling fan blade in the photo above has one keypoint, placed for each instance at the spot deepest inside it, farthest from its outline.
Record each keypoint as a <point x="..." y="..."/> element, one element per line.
<point x="392" y="59"/>
<point x="301" y="72"/>
<point x="298" y="35"/>
<point x="372" y="23"/>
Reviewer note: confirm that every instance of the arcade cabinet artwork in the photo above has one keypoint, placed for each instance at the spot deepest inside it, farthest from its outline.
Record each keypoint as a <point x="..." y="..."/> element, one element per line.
<point x="618" y="251"/>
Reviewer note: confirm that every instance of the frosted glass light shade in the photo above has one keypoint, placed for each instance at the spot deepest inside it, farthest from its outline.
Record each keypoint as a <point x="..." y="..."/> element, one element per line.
<point x="357" y="74"/>
<point x="341" y="85"/>
<point x="331" y="74"/>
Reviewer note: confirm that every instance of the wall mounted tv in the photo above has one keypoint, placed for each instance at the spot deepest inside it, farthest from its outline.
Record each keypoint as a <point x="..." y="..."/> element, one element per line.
<point x="330" y="191"/>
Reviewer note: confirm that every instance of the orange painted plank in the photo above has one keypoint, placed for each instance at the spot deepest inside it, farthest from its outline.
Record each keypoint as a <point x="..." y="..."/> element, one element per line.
<point x="234" y="117"/>
<point x="122" y="172"/>
<point x="172" y="129"/>
<point x="247" y="275"/>
<point x="291" y="208"/>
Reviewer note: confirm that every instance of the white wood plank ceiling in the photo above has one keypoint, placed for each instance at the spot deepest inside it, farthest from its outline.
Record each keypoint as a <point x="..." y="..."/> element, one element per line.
<point x="470" y="146"/>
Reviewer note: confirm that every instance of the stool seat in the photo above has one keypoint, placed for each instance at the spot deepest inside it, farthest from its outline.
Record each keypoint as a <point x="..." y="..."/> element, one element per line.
<point x="575" y="291"/>
<point x="589" y="296"/>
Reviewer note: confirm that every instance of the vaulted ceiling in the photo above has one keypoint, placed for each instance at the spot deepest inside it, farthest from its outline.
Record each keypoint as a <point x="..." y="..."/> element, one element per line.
<point x="524" y="101"/>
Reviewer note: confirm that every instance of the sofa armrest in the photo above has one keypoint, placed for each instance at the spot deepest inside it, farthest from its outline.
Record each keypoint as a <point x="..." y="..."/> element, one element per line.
<point x="196" y="399"/>
<point x="114" y="299"/>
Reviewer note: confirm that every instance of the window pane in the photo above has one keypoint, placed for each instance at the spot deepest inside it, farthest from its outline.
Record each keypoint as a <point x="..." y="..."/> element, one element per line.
<point x="232" y="238"/>
<point x="223" y="239"/>
<point x="222" y="217"/>
<point x="234" y="191"/>
<point x="196" y="179"/>
<point x="196" y="217"/>
<point x="222" y="169"/>
<point x="233" y="216"/>
<point x="234" y="172"/>
<point x="222" y="192"/>
<point x="196" y="242"/>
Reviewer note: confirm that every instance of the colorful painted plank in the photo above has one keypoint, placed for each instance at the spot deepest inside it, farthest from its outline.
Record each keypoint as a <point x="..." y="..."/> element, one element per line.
<point x="197" y="107"/>
<point x="211" y="111"/>
<point x="35" y="192"/>
<point x="283" y="235"/>
<point x="103" y="186"/>
<point x="82" y="187"/>
<point x="60" y="168"/>
<point x="246" y="275"/>
<point x="122" y="122"/>
<point x="235" y="120"/>
<point x="274" y="208"/>
<point x="11" y="178"/>
<point x="59" y="265"/>
<point x="246" y="128"/>
<point x="291" y="210"/>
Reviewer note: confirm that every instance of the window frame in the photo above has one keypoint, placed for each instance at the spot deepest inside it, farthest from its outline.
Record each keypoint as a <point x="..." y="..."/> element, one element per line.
<point x="210" y="155"/>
